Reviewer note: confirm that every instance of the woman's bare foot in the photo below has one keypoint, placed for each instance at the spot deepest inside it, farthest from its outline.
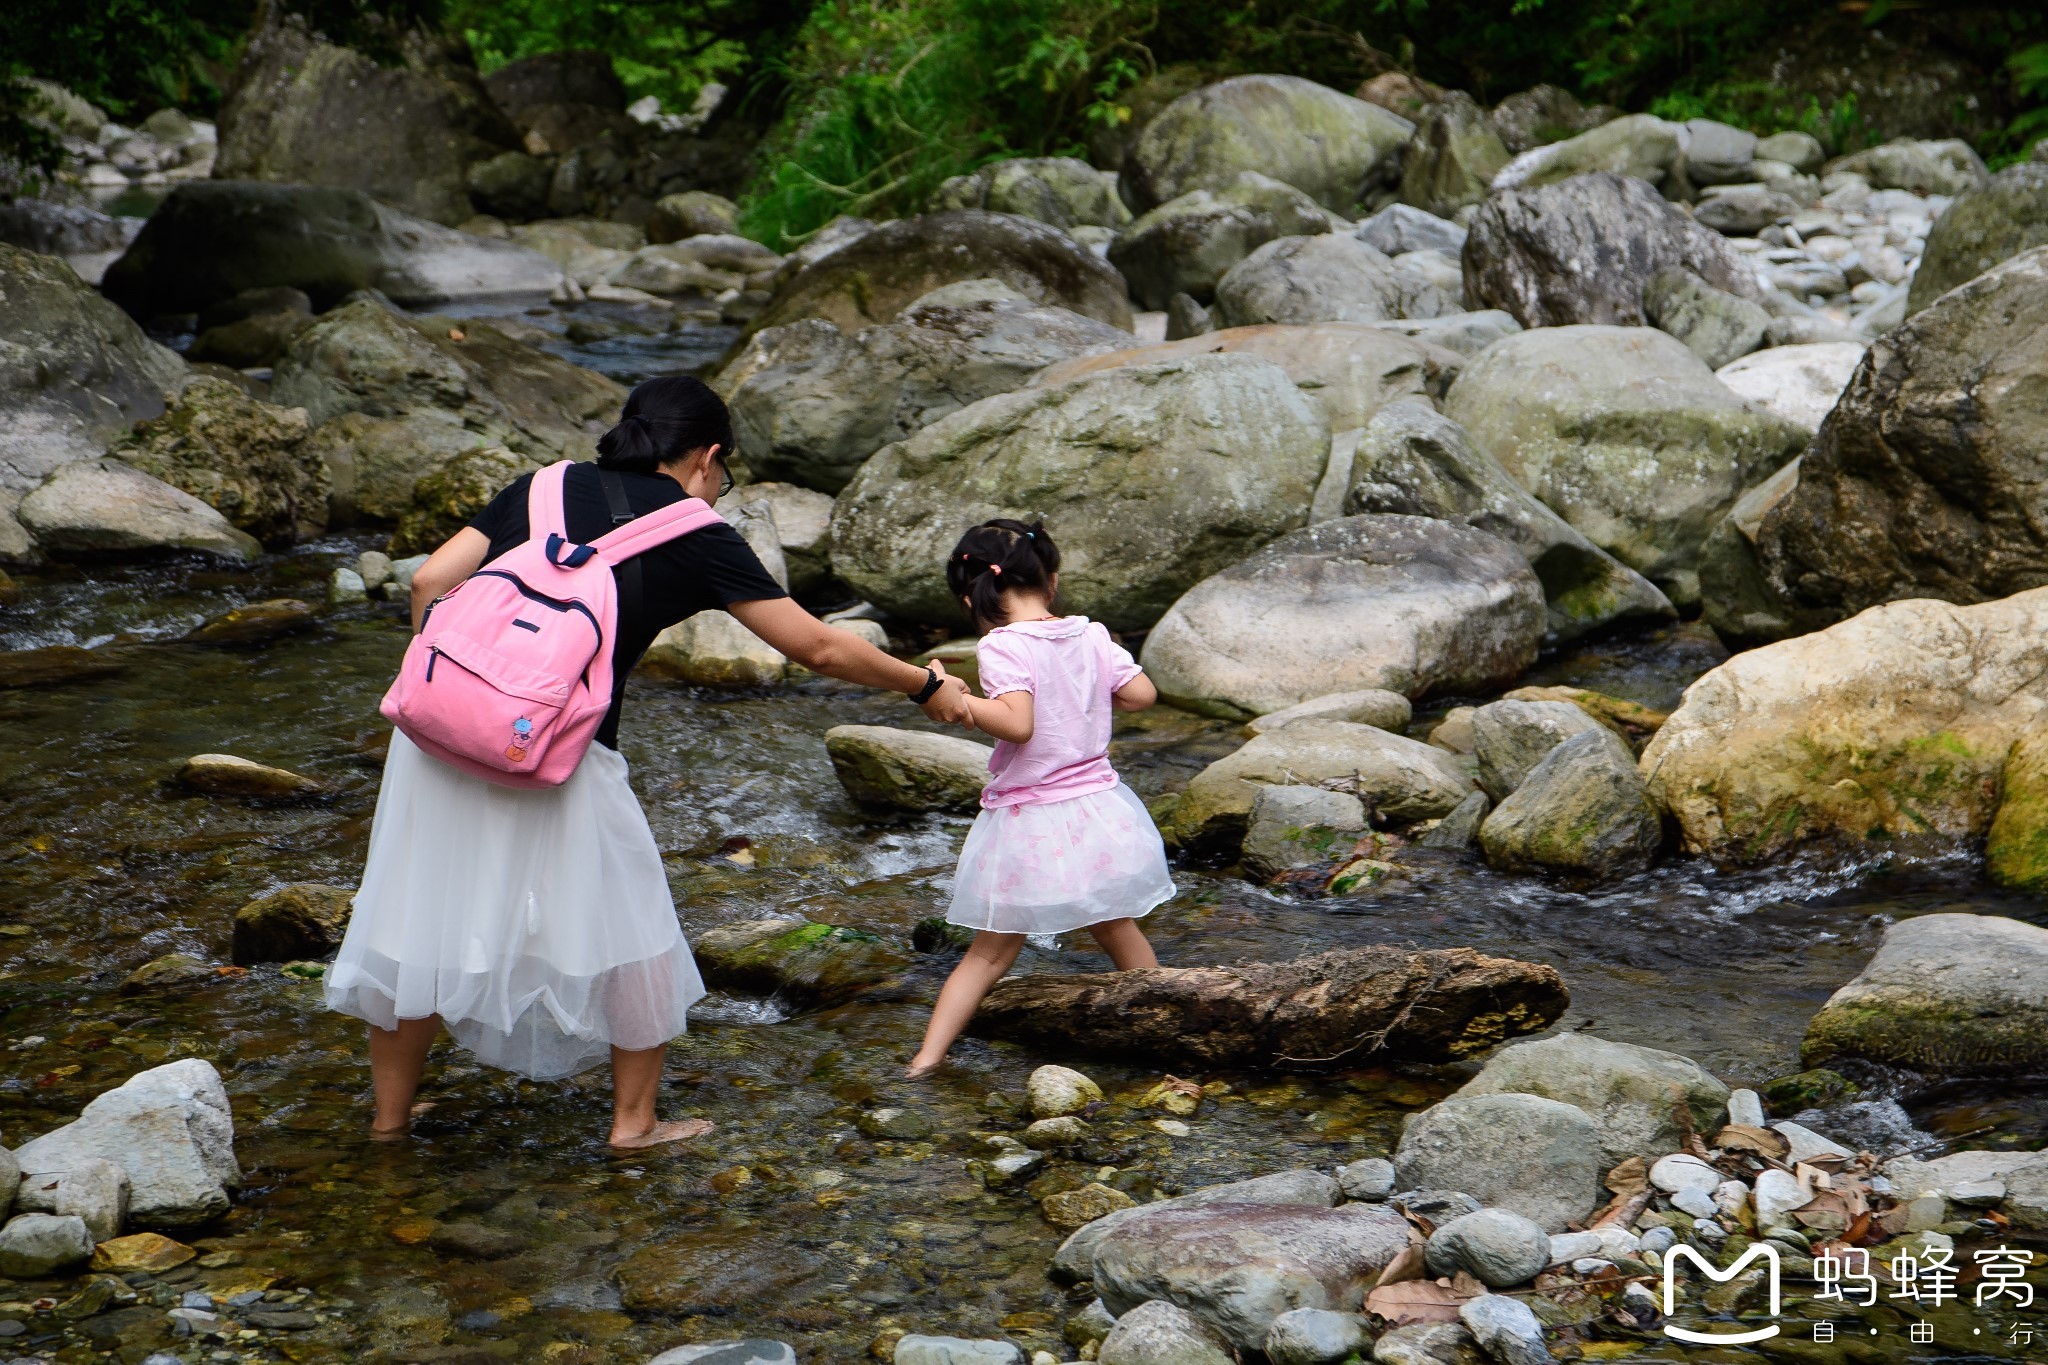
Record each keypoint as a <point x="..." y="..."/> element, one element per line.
<point x="918" y="1070"/>
<point x="678" y="1130"/>
<point x="403" y="1130"/>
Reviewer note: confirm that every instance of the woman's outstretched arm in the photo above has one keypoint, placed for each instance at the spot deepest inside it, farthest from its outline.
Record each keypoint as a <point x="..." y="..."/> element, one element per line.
<point x="461" y="555"/>
<point x="844" y="655"/>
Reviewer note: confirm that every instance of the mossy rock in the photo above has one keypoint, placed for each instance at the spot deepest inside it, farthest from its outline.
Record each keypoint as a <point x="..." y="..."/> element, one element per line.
<point x="293" y="923"/>
<point x="1813" y="1089"/>
<point x="2016" y="851"/>
<point x="803" y="962"/>
<point x="445" y="500"/>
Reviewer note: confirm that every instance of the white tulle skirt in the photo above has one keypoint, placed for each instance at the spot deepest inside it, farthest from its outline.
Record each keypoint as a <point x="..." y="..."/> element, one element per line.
<point x="537" y="923"/>
<point x="1045" y="869"/>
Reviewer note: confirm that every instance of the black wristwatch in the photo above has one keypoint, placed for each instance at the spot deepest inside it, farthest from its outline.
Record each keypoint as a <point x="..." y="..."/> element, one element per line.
<point x="930" y="688"/>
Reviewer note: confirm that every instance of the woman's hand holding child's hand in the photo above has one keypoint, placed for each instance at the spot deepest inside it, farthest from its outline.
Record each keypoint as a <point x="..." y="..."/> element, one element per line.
<point x="948" y="705"/>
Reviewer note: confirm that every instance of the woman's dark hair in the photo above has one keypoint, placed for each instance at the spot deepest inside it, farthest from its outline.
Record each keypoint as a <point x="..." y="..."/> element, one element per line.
<point x="1001" y="554"/>
<point x="664" y="420"/>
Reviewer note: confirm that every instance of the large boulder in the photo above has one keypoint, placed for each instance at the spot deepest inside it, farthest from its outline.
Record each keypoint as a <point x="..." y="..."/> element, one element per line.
<point x="1714" y="324"/>
<point x="1925" y="481"/>
<point x="240" y="456"/>
<point x="301" y="110"/>
<point x="1985" y="225"/>
<point x="1152" y="476"/>
<point x="1187" y="244"/>
<point x="213" y="239"/>
<point x="1328" y="145"/>
<point x="1947" y="166"/>
<point x="1350" y="369"/>
<point x="1798" y="383"/>
<point x="1060" y="190"/>
<point x="1583" y="810"/>
<point x="1239" y="1266"/>
<point x="1544" y="114"/>
<point x="75" y="371"/>
<point x="1412" y="460"/>
<point x="1403" y="603"/>
<point x="1529" y="1155"/>
<point x="880" y="765"/>
<point x="1075" y="1259"/>
<point x="876" y="276"/>
<point x="1156" y="1332"/>
<point x="802" y="521"/>
<point x="1510" y="737"/>
<point x="1640" y="146"/>
<point x="561" y="100"/>
<point x="98" y="507"/>
<point x="169" y="1128"/>
<point x="811" y="403"/>
<point x="1945" y="995"/>
<point x="1335" y="277"/>
<point x="450" y="496"/>
<point x="468" y="383"/>
<point x="1736" y="597"/>
<point x="1626" y="435"/>
<point x="1399" y="778"/>
<point x="1455" y="156"/>
<point x="1633" y="1093"/>
<point x="1581" y="250"/>
<point x="1348" y="1008"/>
<point x="1891" y="724"/>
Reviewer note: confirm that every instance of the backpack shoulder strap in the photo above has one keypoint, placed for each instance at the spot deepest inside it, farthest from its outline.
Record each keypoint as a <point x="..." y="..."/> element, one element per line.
<point x="644" y="533"/>
<point x="546" y="514"/>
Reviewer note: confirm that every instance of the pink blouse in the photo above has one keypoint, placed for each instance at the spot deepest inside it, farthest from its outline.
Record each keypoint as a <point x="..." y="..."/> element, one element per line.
<point x="1070" y="667"/>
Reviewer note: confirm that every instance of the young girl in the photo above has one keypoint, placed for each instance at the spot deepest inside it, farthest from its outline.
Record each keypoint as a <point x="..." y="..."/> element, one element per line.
<point x="1060" y="843"/>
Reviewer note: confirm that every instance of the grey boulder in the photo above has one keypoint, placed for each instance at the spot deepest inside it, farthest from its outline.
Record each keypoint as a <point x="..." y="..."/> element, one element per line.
<point x="1326" y="278"/>
<point x="169" y="1128"/>
<point x="1640" y="147"/>
<point x="1454" y="157"/>
<point x="1402" y="603"/>
<point x="1506" y="1329"/>
<point x="1509" y="738"/>
<point x="1410" y="459"/>
<point x="1158" y="1332"/>
<point x="1369" y="706"/>
<point x="1985" y="225"/>
<point x="1583" y="810"/>
<point x="1189" y="243"/>
<point x="1292" y="827"/>
<point x="751" y="1351"/>
<point x="1401" y="228"/>
<point x="1432" y="1343"/>
<point x="33" y="1245"/>
<point x="915" y="1349"/>
<point x="908" y="769"/>
<point x="1532" y="1156"/>
<point x="1075" y="1259"/>
<point x="1498" y="1248"/>
<point x="108" y="507"/>
<point x="91" y="1189"/>
<point x="1631" y="1092"/>
<point x="1060" y="190"/>
<point x="1316" y="1336"/>
<point x="1798" y="383"/>
<point x="1931" y="166"/>
<point x="1714" y="324"/>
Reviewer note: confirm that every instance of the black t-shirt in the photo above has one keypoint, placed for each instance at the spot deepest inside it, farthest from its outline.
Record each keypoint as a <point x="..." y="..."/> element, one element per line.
<point x="708" y="569"/>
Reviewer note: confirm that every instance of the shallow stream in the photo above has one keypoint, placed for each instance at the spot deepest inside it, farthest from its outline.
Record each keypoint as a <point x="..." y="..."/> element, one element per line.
<point x="788" y="1222"/>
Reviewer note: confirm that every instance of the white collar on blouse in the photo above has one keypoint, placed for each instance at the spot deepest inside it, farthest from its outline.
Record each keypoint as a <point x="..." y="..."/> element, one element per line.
<point x="1064" y="628"/>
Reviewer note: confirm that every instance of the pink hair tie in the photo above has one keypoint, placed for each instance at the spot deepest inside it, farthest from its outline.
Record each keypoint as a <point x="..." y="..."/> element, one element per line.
<point x="995" y="568"/>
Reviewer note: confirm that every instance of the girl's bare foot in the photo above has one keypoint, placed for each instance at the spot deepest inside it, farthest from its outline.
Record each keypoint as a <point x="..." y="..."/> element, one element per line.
<point x="678" y="1130"/>
<point x="918" y="1070"/>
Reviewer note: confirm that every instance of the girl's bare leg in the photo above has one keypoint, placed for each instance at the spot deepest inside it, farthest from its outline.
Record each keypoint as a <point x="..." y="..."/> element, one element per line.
<point x="1125" y="943"/>
<point x="636" y="1082"/>
<point x="397" y="1057"/>
<point x="988" y="957"/>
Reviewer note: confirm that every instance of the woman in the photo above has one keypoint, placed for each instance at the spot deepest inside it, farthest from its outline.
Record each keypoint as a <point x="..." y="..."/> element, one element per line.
<point x="536" y="924"/>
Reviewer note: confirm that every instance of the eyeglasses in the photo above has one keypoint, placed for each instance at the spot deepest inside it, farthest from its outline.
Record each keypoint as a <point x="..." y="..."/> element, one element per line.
<point x="725" y="479"/>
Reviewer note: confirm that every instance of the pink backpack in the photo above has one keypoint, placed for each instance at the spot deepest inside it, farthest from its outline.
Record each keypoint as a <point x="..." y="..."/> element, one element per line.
<point x="510" y="674"/>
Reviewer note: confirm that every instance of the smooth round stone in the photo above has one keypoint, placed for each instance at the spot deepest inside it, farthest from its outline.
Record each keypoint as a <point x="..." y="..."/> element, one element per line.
<point x="1659" y="1240"/>
<point x="1696" y="1201"/>
<point x="1315" y="1336"/>
<point x="1371" y="1179"/>
<point x="1679" y="1171"/>
<point x="1497" y="1247"/>
<point x="1591" y="1265"/>
<point x="1566" y="1247"/>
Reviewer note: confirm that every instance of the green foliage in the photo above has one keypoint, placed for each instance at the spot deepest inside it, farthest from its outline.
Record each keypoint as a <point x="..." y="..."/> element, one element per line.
<point x="130" y="57"/>
<point x="1764" y="109"/>
<point x="2029" y="71"/>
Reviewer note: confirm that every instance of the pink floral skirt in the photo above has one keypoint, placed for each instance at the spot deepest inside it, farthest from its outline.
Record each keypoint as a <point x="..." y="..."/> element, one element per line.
<point x="1060" y="865"/>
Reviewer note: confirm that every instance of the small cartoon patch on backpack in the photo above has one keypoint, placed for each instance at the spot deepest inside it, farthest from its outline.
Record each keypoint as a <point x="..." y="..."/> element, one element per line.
<point x="516" y="750"/>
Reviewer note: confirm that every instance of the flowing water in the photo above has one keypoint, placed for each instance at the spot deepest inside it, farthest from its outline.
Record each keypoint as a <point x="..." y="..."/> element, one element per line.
<point x="788" y="1222"/>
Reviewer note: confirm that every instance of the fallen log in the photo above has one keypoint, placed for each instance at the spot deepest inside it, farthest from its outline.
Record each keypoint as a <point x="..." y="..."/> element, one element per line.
<point x="1347" y="1008"/>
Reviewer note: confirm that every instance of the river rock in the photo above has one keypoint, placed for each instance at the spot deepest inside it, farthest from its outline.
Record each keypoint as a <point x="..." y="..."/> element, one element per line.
<point x="810" y="404"/>
<point x="1533" y="1156"/>
<point x="212" y="239"/>
<point x="874" y="277"/>
<point x="1434" y="1343"/>
<point x="1326" y="278"/>
<point x="1371" y="1180"/>
<point x="1582" y="250"/>
<point x="1626" y="435"/>
<point x="1945" y="995"/>
<point x="712" y="649"/>
<point x="227" y="775"/>
<point x="107" y="507"/>
<point x="1374" y="706"/>
<point x="1714" y="324"/>
<point x="1458" y="831"/>
<point x="304" y="920"/>
<point x="1922" y="482"/>
<point x="1075" y="1259"/>
<point x="2016" y="847"/>
<point x="1056" y="1091"/>
<point x="1893" y="723"/>
<point x="1400" y="228"/>
<point x="801" y="522"/>
<point x="1947" y="166"/>
<point x="1539" y="115"/>
<point x="239" y="456"/>
<point x="1187" y="244"/>
<point x="1510" y="738"/>
<point x="692" y="213"/>
<point x="813" y="966"/>
<point x="1639" y="146"/>
<point x="1985" y="225"/>
<point x="1350" y="369"/>
<point x="75" y="371"/>
<point x="1738" y="600"/>
<point x="1328" y="145"/>
<point x="1316" y="1336"/>
<point x="450" y="496"/>
<point x="1411" y="459"/>
<point x="1351" y="1007"/>
<point x="750" y="1351"/>
<point x="35" y="1245"/>
<point x="923" y="1350"/>
<point x="1292" y="827"/>
<point x="1582" y="810"/>
<point x="1968" y="1177"/>
<point x="1061" y="190"/>
<point x="1161" y="1333"/>
<point x="477" y="388"/>
<point x="93" y="1190"/>
<point x="1797" y="383"/>
<point x="1506" y="1329"/>
<point x="1240" y="1266"/>
<point x="1403" y="603"/>
<point x="1629" y="1091"/>
<point x="1498" y="1248"/>
<point x="169" y="1128"/>
<point x="1202" y="460"/>
<point x="908" y="769"/>
<point x="1397" y="777"/>
<point x="1455" y="156"/>
<point x="1744" y="210"/>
